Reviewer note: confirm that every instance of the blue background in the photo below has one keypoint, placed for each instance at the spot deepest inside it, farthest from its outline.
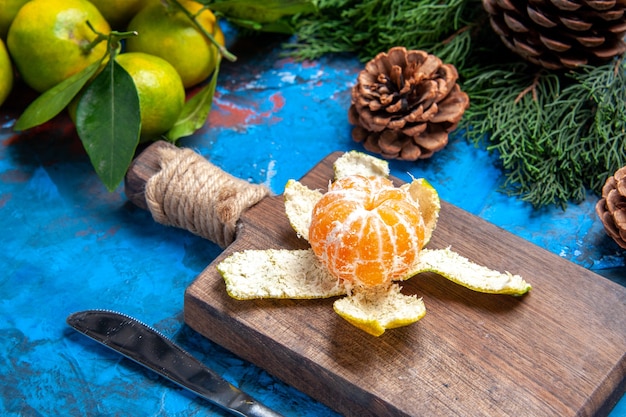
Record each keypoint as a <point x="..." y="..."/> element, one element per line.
<point x="68" y="244"/>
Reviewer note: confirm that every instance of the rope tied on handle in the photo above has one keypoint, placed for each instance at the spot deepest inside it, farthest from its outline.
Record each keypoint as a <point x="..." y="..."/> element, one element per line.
<point x="190" y="192"/>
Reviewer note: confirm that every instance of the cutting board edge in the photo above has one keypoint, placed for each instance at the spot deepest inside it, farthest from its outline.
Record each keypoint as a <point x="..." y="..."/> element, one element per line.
<point x="304" y="378"/>
<point x="603" y="400"/>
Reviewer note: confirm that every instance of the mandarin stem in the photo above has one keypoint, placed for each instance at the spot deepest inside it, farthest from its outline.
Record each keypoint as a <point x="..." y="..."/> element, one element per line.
<point x="223" y="51"/>
<point x="99" y="38"/>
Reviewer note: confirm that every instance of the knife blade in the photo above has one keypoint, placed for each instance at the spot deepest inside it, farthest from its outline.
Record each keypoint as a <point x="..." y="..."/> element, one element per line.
<point x="148" y="347"/>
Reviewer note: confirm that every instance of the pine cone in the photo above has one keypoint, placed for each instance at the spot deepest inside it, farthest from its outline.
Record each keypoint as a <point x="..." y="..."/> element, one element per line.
<point x="611" y="208"/>
<point x="557" y="34"/>
<point x="405" y="103"/>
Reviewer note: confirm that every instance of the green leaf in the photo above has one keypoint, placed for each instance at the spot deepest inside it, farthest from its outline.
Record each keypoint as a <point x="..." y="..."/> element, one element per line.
<point x="262" y="15"/>
<point x="279" y="26"/>
<point x="108" y="122"/>
<point x="54" y="100"/>
<point x="195" y="112"/>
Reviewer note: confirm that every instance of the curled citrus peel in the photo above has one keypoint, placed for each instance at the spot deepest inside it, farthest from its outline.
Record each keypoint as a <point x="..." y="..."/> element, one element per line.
<point x="365" y="234"/>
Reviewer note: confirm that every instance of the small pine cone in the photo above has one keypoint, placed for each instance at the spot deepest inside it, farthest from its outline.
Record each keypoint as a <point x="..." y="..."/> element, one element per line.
<point x="611" y="208"/>
<point x="405" y="103"/>
<point x="558" y="34"/>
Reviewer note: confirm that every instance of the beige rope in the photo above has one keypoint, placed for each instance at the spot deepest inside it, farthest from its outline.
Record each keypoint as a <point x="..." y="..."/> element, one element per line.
<point x="191" y="193"/>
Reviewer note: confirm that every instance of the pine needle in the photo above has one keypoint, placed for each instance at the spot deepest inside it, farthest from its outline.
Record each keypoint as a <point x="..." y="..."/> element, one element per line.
<point x="558" y="142"/>
<point x="371" y="26"/>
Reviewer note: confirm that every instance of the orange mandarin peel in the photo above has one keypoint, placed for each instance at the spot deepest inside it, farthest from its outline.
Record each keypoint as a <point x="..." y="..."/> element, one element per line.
<point x="366" y="235"/>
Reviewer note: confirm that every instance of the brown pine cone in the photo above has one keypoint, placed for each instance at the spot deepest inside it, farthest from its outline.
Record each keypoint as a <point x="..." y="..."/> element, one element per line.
<point x="405" y="103"/>
<point x="611" y="208"/>
<point x="557" y="34"/>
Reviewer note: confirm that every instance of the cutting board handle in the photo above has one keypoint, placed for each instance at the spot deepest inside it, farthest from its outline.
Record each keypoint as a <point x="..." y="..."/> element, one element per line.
<point x="181" y="188"/>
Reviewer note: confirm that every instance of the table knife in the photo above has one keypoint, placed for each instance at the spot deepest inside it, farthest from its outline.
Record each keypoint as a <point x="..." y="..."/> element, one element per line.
<point x="148" y="347"/>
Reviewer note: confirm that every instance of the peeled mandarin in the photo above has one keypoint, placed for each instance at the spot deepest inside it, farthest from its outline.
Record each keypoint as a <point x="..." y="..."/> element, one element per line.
<point x="366" y="231"/>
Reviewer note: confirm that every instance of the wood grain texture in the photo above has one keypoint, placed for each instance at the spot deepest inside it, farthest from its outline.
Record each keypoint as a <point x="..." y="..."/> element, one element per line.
<point x="558" y="351"/>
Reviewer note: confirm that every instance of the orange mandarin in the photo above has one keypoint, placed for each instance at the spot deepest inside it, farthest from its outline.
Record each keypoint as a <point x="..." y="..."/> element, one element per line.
<point x="366" y="231"/>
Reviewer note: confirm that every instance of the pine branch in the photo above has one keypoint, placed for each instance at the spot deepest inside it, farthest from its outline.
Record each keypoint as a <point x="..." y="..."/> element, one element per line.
<point x="558" y="135"/>
<point x="371" y="26"/>
<point x="606" y="87"/>
<point x="557" y="146"/>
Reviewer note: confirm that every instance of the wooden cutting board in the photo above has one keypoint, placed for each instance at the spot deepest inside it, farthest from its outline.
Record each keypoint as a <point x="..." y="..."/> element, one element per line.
<point x="558" y="351"/>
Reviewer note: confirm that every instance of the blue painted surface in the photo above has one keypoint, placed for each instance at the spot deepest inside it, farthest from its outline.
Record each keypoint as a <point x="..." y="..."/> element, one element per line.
<point x="68" y="244"/>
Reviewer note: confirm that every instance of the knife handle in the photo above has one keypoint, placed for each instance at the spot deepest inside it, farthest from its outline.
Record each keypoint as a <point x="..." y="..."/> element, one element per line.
<point x="181" y="188"/>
